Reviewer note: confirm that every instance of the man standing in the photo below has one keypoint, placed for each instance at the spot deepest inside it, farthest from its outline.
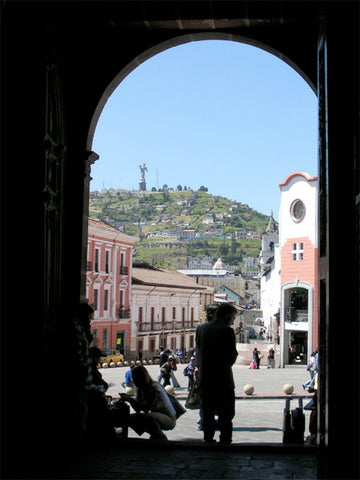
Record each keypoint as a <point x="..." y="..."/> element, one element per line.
<point x="216" y="354"/>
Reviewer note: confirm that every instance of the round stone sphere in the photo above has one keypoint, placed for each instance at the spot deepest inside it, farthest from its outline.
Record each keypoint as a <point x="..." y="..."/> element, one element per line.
<point x="119" y="364"/>
<point x="248" y="389"/>
<point x="288" y="388"/>
<point x="169" y="389"/>
<point x="112" y="364"/>
<point x="105" y="365"/>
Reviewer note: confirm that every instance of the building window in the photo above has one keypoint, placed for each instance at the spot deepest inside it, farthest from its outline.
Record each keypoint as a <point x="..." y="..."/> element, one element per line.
<point x="97" y="260"/>
<point x="123" y="269"/>
<point x="96" y="301"/>
<point x="106" y="300"/>
<point x="107" y="261"/>
<point x="183" y="317"/>
<point x="105" y="338"/>
<point x="192" y="317"/>
<point x="174" y="313"/>
<point x="297" y="210"/>
<point x="297" y="251"/>
<point x="163" y="315"/>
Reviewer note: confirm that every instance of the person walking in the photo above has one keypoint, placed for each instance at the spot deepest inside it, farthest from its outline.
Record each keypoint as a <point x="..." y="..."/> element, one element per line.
<point x="166" y="371"/>
<point x="189" y="372"/>
<point x="256" y="357"/>
<point x="164" y="354"/>
<point x="216" y="354"/>
<point x="271" y="358"/>
<point x="173" y="363"/>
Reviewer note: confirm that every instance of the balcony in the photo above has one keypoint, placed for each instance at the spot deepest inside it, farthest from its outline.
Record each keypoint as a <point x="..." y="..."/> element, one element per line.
<point x="292" y="315"/>
<point x="124" y="313"/>
<point x="167" y="327"/>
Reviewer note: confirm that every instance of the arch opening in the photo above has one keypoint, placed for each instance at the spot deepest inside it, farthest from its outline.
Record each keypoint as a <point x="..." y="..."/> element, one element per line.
<point x="158" y="49"/>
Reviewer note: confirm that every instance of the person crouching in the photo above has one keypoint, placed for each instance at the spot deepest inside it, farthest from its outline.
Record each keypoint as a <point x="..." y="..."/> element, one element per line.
<point x="154" y="411"/>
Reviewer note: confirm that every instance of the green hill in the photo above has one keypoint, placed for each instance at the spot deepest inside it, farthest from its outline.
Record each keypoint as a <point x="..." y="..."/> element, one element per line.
<point x="174" y="224"/>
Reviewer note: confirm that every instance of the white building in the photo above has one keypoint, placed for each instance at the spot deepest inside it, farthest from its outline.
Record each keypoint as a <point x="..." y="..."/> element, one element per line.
<point x="167" y="307"/>
<point x="270" y="262"/>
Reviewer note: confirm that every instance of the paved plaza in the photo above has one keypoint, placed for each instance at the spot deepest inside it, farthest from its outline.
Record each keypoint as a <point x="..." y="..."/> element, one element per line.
<point x="258" y="418"/>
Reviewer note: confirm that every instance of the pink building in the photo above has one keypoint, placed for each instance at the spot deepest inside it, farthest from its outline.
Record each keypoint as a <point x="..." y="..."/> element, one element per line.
<point x="298" y="243"/>
<point x="108" y="284"/>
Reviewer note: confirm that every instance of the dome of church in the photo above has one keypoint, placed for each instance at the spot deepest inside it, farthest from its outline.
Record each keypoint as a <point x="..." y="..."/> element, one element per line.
<point x="218" y="264"/>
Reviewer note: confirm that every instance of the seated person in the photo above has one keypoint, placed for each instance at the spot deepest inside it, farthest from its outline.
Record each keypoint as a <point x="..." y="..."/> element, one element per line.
<point x="102" y="417"/>
<point x="154" y="410"/>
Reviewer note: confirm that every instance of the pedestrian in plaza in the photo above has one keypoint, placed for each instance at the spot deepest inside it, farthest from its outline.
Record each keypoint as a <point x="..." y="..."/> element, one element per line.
<point x="189" y="372"/>
<point x="166" y="371"/>
<point x="271" y="358"/>
<point x="164" y="354"/>
<point x="217" y="336"/>
<point x="154" y="410"/>
<point x="312" y="368"/>
<point x="173" y="364"/>
<point x="256" y="357"/>
<point x="129" y="382"/>
<point x="179" y="354"/>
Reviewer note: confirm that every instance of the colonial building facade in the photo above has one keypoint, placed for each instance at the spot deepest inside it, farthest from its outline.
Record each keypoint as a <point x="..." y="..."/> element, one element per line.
<point x="298" y="242"/>
<point x="108" y="284"/>
<point x="166" y="306"/>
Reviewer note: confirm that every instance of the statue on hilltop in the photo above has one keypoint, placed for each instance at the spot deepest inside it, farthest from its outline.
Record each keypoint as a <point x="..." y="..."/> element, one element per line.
<point x="142" y="183"/>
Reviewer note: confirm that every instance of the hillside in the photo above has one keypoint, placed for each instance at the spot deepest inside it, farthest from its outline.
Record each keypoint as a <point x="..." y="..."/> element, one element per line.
<point x="173" y="224"/>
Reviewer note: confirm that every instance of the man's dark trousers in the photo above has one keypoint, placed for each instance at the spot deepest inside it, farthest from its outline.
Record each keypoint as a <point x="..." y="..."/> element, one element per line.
<point x="219" y="402"/>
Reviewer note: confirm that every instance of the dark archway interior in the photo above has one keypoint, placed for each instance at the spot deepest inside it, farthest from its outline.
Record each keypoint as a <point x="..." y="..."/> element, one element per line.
<point x="59" y="62"/>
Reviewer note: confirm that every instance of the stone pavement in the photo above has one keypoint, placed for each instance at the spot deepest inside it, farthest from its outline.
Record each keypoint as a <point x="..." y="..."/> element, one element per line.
<point x="258" y="418"/>
<point x="257" y="451"/>
<point x="143" y="460"/>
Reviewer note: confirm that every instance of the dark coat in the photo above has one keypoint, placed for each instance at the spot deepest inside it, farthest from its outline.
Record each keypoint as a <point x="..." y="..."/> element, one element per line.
<point x="216" y="354"/>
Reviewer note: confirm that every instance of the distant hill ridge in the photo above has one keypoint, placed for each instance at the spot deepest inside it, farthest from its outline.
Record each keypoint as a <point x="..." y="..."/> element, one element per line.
<point x="186" y="219"/>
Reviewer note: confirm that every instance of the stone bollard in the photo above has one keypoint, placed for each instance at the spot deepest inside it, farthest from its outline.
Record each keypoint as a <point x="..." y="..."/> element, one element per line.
<point x="288" y="388"/>
<point x="248" y="389"/>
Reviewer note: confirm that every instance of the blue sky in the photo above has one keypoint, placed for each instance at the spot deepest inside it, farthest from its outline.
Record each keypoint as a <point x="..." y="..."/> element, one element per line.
<point x="222" y="114"/>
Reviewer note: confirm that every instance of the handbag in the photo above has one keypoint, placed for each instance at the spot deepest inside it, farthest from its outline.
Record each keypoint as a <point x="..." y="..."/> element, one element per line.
<point x="194" y="401"/>
<point x="179" y="409"/>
